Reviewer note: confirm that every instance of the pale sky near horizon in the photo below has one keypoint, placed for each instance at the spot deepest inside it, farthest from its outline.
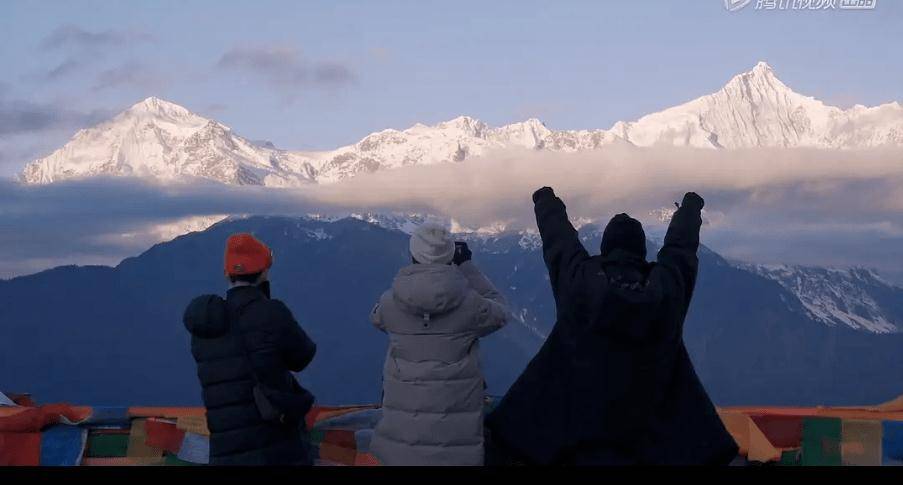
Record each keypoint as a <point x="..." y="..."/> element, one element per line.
<point x="316" y="75"/>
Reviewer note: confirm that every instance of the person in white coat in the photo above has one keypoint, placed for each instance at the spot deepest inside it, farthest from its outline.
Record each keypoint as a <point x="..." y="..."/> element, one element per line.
<point x="433" y="389"/>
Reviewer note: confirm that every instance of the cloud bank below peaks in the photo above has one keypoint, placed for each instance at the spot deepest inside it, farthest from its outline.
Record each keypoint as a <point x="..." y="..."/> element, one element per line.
<point x="768" y="205"/>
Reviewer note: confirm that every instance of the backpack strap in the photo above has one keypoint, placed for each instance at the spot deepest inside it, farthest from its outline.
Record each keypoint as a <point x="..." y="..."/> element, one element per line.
<point x="267" y="410"/>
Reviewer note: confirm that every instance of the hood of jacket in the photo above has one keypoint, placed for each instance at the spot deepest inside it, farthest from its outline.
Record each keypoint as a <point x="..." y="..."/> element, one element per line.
<point x="631" y="302"/>
<point x="429" y="288"/>
<point x="206" y="317"/>
<point x="625" y="268"/>
<point x="624" y="233"/>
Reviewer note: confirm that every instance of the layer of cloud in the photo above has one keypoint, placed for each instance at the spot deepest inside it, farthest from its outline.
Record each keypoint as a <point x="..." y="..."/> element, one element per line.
<point x="64" y="69"/>
<point x="285" y="67"/>
<point x="21" y="116"/>
<point x="85" y="48"/>
<point x="109" y="219"/>
<point x="73" y="36"/>
<point x="798" y="206"/>
<point x="804" y="183"/>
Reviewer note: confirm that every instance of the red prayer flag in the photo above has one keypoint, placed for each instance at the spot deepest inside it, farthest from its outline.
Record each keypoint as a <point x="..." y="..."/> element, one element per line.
<point x="20" y="449"/>
<point x="163" y="435"/>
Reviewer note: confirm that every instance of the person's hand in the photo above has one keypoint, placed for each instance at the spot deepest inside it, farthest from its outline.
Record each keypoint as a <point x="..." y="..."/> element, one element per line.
<point x="542" y="194"/>
<point x="693" y="200"/>
<point x="462" y="253"/>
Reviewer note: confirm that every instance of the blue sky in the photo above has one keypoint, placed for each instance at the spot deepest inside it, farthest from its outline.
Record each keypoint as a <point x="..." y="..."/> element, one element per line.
<point x="316" y="75"/>
<point x="310" y="75"/>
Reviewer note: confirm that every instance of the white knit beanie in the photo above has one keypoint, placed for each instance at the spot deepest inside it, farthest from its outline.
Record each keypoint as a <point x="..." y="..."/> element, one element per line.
<point x="432" y="244"/>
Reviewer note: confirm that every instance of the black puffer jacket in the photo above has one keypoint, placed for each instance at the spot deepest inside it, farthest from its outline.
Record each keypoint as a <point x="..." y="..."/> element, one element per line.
<point x="613" y="383"/>
<point x="227" y="338"/>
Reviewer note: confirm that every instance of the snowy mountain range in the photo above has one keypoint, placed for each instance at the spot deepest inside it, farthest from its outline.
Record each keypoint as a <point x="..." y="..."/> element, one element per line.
<point x="159" y="139"/>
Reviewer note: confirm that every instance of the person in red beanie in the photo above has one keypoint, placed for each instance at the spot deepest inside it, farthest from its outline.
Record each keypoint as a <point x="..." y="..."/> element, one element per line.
<point x="246" y="347"/>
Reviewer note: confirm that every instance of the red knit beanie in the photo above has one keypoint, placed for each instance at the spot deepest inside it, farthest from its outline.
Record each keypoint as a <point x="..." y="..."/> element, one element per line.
<point x="246" y="255"/>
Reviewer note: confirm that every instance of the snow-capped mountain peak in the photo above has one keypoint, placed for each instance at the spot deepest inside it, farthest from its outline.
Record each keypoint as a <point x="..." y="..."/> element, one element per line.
<point x="760" y="84"/>
<point x="155" y="106"/>
<point x="465" y="124"/>
<point x="161" y="139"/>
<point x="762" y="69"/>
<point x="754" y="109"/>
<point x="762" y="66"/>
<point x="855" y="297"/>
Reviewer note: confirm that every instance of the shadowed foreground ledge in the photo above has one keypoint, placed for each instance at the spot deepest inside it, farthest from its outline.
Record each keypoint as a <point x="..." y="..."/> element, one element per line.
<point x="68" y="435"/>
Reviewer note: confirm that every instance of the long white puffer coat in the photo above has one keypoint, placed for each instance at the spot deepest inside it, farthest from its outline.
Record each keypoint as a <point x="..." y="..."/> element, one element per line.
<point x="432" y="383"/>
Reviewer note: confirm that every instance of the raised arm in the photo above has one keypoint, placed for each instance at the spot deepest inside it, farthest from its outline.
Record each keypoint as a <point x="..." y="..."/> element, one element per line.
<point x="678" y="254"/>
<point x="463" y="260"/>
<point x="296" y="347"/>
<point x="492" y="310"/>
<point x="561" y="247"/>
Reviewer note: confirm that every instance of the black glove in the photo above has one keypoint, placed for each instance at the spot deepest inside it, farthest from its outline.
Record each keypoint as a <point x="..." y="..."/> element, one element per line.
<point x="692" y="200"/>
<point x="462" y="253"/>
<point x="542" y="194"/>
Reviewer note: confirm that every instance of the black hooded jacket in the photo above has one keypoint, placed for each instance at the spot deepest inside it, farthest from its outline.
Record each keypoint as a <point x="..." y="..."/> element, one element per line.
<point x="236" y="342"/>
<point x="613" y="383"/>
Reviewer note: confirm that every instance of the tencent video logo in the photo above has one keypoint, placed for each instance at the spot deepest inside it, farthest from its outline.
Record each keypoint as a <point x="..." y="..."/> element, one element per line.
<point x="734" y="5"/>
